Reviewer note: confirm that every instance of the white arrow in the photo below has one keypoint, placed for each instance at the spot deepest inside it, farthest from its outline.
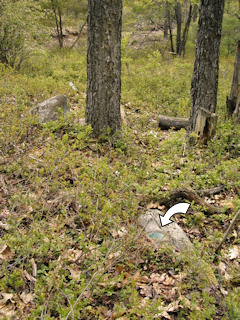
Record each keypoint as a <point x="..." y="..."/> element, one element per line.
<point x="178" y="208"/>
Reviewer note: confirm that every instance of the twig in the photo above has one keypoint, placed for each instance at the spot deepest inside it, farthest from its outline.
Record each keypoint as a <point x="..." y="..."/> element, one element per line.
<point x="228" y="231"/>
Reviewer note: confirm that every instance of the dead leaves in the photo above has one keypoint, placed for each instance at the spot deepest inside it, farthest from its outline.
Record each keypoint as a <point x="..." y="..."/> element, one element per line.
<point x="5" y="252"/>
<point x="14" y="305"/>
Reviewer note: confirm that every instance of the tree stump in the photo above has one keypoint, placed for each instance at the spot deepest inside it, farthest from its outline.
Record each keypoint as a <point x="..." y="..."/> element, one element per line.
<point x="206" y="122"/>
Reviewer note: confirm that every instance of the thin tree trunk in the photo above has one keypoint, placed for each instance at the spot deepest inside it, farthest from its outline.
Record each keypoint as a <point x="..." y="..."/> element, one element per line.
<point x="233" y="103"/>
<point x="185" y="32"/>
<point x="58" y="23"/>
<point x="178" y="15"/>
<point x="170" y="31"/>
<point x="195" y="12"/>
<point x="60" y="27"/>
<point x="205" y="75"/>
<point x="104" y="65"/>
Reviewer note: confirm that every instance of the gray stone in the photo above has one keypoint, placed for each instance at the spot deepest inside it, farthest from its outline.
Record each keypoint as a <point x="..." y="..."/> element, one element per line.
<point x="48" y="110"/>
<point x="171" y="234"/>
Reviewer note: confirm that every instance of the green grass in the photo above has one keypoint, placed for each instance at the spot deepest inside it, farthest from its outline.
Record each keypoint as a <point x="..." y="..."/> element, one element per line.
<point x="74" y="201"/>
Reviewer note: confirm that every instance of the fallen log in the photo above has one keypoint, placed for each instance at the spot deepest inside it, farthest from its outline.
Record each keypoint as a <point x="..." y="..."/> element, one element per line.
<point x="191" y="196"/>
<point x="166" y="123"/>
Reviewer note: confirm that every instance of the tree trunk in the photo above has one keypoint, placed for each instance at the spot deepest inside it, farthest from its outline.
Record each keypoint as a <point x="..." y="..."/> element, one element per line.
<point x="178" y="15"/>
<point x="185" y="32"/>
<point x="233" y="103"/>
<point x="58" y="22"/>
<point x="205" y="75"/>
<point x="170" y="31"/>
<point x="104" y="65"/>
<point x="195" y="12"/>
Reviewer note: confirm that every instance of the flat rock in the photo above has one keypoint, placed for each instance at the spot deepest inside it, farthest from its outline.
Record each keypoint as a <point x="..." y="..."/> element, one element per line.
<point x="48" y="110"/>
<point x="171" y="234"/>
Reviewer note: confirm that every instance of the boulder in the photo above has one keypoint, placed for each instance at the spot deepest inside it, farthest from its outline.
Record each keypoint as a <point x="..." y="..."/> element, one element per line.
<point x="171" y="234"/>
<point x="48" y="110"/>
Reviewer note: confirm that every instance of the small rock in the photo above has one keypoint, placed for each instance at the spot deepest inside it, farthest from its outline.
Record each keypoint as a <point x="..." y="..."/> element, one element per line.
<point x="48" y="110"/>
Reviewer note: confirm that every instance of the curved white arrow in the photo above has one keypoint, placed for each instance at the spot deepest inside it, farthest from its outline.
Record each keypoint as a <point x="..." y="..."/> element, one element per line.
<point x="177" y="208"/>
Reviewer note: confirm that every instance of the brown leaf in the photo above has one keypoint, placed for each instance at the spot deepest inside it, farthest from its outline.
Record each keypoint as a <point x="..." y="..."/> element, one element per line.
<point x="27" y="297"/>
<point x="75" y="272"/>
<point x="146" y="291"/>
<point x="168" y="281"/>
<point x="5" y="252"/>
<point x="173" y="306"/>
<point x="157" y="288"/>
<point x="234" y="253"/>
<point x="153" y="205"/>
<point x="156" y="277"/>
<point x="7" y="305"/>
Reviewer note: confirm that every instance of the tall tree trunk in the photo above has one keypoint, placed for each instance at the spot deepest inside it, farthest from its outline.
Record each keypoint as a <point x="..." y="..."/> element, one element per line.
<point x="178" y="15"/>
<point x="195" y="12"/>
<point x="104" y="65"/>
<point x="205" y="75"/>
<point x="233" y="103"/>
<point x="170" y="31"/>
<point x="185" y="31"/>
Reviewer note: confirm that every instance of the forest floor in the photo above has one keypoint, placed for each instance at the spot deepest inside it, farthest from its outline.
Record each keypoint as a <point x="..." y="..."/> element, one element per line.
<point x="71" y="246"/>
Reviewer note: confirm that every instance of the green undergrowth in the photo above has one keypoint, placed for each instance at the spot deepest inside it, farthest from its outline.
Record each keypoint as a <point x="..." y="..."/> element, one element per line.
<point x="70" y="204"/>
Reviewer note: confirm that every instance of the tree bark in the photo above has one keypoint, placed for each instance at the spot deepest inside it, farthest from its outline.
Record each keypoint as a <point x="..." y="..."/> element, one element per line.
<point x="233" y="103"/>
<point x="185" y="32"/>
<point x="170" y="31"/>
<point x="166" y="123"/>
<point x="178" y="15"/>
<point x="205" y="75"/>
<point x="104" y="65"/>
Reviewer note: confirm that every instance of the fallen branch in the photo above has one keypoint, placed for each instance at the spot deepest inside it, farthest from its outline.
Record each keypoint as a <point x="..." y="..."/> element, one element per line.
<point x="191" y="196"/>
<point x="166" y="123"/>
<point x="212" y="191"/>
<point x="228" y="231"/>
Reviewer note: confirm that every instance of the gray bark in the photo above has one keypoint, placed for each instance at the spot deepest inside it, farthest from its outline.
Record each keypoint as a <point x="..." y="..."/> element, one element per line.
<point x="205" y="75"/>
<point x="178" y="15"/>
<point x="104" y="65"/>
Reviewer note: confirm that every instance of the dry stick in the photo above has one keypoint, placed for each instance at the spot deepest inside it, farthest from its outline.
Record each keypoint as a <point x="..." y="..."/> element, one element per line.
<point x="228" y="231"/>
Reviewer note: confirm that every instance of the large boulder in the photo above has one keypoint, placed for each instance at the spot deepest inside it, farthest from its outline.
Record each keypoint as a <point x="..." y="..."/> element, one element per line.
<point x="48" y="110"/>
<point x="171" y="234"/>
